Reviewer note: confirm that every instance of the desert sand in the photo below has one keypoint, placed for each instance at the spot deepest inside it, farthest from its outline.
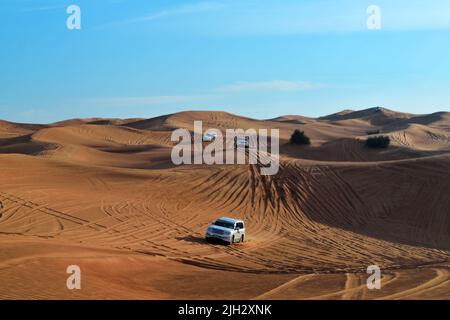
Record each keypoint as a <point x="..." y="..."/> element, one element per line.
<point x="103" y="194"/>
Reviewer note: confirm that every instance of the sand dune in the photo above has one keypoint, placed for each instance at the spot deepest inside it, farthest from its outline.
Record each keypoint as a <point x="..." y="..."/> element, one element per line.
<point x="104" y="195"/>
<point x="12" y="129"/>
<point x="376" y="116"/>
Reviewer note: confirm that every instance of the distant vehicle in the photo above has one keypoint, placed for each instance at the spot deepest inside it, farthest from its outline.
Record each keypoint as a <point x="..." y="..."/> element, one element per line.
<point x="242" y="142"/>
<point x="210" y="136"/>
<point x="226" y="229"/>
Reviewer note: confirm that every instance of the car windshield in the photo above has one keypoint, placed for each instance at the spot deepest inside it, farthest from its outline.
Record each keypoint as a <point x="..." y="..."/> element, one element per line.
<point x="224" y="224"/>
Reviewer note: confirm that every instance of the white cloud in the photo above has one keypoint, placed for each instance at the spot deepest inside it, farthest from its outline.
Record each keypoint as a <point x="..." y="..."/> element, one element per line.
<point x="268" y="17"/>
<point x="115" y="102"/>
<point x="43" y="8"/>
<point x="214" y="94"/>
<point x="273" y="85"/>
<point x="198" y="7"/>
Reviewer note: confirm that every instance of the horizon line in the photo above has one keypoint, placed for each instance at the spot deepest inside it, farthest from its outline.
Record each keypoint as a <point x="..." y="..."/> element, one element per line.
<point x="235" y="114"/>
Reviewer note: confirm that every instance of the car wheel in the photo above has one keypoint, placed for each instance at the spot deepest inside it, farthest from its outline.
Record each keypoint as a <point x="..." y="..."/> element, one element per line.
<point x="242" y="238"/>
<point x="232" y="240"/>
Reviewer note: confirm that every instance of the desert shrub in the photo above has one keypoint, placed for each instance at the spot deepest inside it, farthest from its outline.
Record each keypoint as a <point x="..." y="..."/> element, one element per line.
<point x="378" y="142"/>
<point x="299" y="137"/>
<point x="370" y="132"/>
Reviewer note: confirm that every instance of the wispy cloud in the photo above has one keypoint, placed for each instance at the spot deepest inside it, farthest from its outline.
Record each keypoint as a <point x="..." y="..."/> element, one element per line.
<point x="267" y="17"/>
<point x="185" y="9"/>
<point x="273" y="85"/>
<point x="115" y="102"/>
<point x="210" y="96"/>
<point x="43" y="8"/>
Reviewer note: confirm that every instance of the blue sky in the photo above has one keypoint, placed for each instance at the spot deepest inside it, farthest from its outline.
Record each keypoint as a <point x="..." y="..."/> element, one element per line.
<point x="259" y="58"/>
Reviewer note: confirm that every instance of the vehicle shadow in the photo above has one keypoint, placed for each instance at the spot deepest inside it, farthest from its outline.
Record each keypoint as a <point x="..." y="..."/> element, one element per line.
<point x="201" y="240"/>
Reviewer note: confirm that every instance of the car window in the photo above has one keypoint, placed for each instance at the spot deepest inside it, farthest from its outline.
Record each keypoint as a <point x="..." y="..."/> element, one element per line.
<point x="224" y="224"/>
<point x="240" y="225"/>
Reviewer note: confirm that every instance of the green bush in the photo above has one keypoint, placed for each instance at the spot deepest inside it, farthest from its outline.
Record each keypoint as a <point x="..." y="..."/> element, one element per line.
<point x="371" y="132"/>
<point x="299" y="137"/>
<point x="378" y="142"/>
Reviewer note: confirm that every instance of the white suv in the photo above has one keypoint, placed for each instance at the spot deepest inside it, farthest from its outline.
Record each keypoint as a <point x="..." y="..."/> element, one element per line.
<point x="210" y="136"/>
<point x="242" y="142"/>
<point x="226" y="229"/>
